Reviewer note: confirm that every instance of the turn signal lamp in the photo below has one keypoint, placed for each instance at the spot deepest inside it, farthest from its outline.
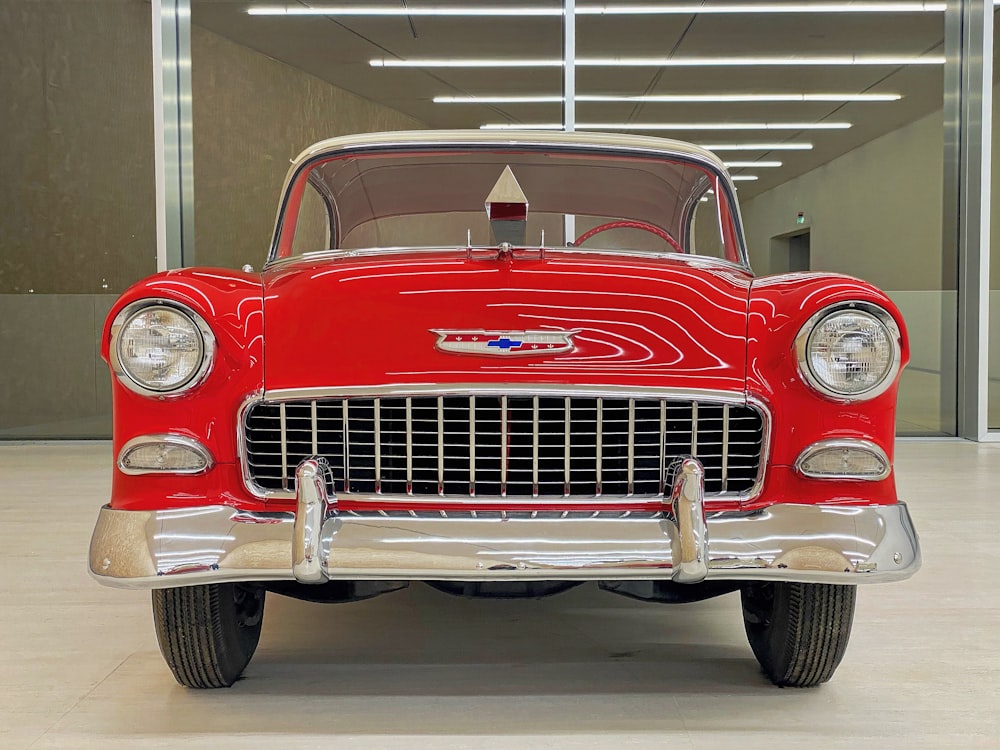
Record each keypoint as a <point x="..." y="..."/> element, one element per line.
<point x="164" y="454"/>
<point x="844" y="459"/>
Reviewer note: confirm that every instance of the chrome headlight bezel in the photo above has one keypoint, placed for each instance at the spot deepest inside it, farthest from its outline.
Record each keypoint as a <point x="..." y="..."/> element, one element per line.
<point x="873" y="311"/>
<point x="197" y="375"/>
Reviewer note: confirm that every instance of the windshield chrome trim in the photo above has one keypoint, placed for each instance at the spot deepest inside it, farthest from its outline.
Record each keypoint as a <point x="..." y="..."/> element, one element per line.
<point x="319" y="256"/>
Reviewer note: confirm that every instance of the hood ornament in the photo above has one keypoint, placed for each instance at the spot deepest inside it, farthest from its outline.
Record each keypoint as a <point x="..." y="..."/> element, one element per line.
<point x="507" y="210"/>
<point x="504" y="343"/>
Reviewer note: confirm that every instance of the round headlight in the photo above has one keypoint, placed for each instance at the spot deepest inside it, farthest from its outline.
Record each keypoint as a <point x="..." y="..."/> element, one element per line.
<point x="849" y="352"/>
<point x="160" y="347"/>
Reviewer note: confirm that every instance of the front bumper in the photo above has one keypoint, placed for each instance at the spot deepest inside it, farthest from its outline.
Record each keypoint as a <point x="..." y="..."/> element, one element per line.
<point x="785" y="542"/>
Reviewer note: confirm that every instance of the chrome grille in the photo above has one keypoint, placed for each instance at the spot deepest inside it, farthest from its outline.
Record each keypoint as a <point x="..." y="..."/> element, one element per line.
<point x="503" y="445"/>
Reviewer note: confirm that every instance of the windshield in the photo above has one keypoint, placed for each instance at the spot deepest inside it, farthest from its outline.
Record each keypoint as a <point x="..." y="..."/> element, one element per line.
<point x="435" y="198"/>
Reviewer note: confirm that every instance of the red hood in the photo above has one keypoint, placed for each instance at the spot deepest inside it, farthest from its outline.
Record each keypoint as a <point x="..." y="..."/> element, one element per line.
<point x="376" y="321"/>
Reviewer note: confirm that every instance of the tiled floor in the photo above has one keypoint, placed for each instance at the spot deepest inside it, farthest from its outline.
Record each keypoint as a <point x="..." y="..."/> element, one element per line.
<point x="79" y="666"/>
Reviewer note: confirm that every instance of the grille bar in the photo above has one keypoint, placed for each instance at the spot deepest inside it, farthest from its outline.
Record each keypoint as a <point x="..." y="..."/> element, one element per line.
<point x="409" y="446"/>
<point x="725" y="446"/>
<point x="472" y="446"/>
<point x="534" y="446"/>
<point x="284" y="449"/>
<point x="567" y="472"/>
<point x="440" y="444"/>
<point x="504" y="437"/>
<point x="485" y="445"/>
<point x="631" y="446"/>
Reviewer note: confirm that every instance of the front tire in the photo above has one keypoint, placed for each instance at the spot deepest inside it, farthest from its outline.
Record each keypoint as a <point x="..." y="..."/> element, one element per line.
<point x="798" y="631"/>
<point x="208" y="633"/>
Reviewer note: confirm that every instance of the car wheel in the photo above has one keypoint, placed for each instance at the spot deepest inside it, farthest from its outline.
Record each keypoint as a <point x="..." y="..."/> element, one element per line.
<point x="208" y="633"/>
<point x="798" y="631"/>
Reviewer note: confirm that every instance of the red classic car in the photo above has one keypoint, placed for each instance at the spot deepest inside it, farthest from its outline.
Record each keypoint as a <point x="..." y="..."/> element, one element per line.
<point x="504" y="365"/>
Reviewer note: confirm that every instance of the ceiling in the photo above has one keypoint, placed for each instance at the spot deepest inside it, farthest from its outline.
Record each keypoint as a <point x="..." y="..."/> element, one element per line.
<point x="338" y="50"/>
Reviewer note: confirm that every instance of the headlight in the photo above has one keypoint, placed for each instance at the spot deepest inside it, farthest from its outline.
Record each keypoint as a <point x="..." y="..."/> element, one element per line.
<point x="160" y="347"/>
<point x="850" y="351"/>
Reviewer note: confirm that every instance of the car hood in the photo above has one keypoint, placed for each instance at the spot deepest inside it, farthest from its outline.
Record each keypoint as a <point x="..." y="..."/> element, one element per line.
<point x="336" y="322"/>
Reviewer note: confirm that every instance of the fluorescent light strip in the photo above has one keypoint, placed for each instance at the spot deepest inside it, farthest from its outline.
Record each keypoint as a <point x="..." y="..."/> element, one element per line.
<point x="542" y="99"/>
<point x="689" y="8"/>
<point x="756" y="146"/>
<point x="751" y="164"/>
<point x="403" y="10"/>
<point x="743" y="177"/>
<point x="390" y="62"/>
<point x="671" y="126"/>
<point x="554" y="99"/>
<point x="596" y="10"/>
<point x="656" y="62"/>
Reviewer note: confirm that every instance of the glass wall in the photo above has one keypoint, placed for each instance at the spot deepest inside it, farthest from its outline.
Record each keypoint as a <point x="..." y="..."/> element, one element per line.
<point x="864" y="195"/>
<point x="840" y="166"/>
<point x="77" y="220"/>
<point x="263" y="90"/>
<point x="993" y="399"/>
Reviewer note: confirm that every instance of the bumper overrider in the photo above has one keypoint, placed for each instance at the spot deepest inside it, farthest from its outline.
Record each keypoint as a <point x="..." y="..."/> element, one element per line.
<point x="784" y="542"/>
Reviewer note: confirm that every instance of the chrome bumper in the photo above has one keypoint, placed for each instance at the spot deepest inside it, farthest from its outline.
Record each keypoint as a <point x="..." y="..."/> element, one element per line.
<point x="787" y="542"/>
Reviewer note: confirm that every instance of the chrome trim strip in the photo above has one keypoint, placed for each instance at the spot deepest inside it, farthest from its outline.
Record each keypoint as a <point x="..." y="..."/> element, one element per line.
<point x="312" y="507"/>
<point x="497" y="389"/>
<point x="802" y="350"/>
<point x="765" y="450"/>
<point x="536" y="252"/>
<point x="208" y="347"/>
<point x="785" y="542"/>
<point x="190" y="443"/>
<point x="241" y="446"/>
<point x="399" y="390"/>
<point x="857" y="444"/>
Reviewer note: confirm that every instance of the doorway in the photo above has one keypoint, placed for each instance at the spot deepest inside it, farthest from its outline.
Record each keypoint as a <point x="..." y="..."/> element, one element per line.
<point x="789" y="252"/>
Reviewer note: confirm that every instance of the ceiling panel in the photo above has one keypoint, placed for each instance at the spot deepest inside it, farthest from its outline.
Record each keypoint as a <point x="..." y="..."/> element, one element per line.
<point x="338" y="50"/>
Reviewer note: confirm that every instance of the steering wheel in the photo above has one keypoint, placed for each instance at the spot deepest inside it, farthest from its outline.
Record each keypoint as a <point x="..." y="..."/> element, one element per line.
<point x="652" y="228"/>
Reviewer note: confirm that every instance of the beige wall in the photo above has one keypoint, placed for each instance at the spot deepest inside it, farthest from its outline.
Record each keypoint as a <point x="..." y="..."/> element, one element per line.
<point x="874" y="212"/>
<point x="76" y="157"/>
<point x="252" y="115"/>
<point x="77" y="193"/>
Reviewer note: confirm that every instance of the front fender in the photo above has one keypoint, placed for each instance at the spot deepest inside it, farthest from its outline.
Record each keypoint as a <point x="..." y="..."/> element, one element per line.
<point x="779" y="307"/>
<point x="232" y="305"/>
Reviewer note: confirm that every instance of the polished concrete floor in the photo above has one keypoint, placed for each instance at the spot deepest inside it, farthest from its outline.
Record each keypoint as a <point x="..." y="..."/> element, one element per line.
<point x="79" y="665"/>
